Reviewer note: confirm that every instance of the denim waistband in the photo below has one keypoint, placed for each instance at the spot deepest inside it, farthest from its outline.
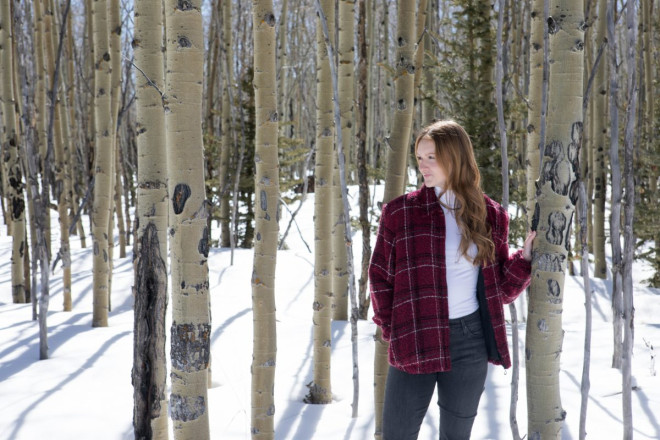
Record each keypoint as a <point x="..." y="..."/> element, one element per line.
<point x="474" y="316"/>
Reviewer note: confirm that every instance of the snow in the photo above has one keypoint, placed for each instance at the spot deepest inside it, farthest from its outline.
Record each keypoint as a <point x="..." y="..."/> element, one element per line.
<point x="84" y="390"/>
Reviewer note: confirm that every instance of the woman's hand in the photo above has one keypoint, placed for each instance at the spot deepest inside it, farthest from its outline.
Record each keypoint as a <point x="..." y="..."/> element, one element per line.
<point x="528" y="246"/>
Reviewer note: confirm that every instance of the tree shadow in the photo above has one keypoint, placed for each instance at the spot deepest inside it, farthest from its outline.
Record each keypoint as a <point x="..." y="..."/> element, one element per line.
<point x="218" y="331"/>
<point x="292" y="411"/>
<point x="644" y="403"/>
<point x="58" y="387"/>
<point x="30" y="344"/>
<point x="305" y="285"/>
<point x="596" y="402"/>
<point x="600" y="290"/>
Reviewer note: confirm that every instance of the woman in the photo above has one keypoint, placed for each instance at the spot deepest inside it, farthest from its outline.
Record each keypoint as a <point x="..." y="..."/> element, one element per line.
<point x="440" y="273"/>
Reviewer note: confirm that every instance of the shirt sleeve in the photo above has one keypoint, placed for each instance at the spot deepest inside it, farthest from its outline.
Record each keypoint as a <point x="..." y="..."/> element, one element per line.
<point x="515" y="271"/>
<point x="381" y="274"/>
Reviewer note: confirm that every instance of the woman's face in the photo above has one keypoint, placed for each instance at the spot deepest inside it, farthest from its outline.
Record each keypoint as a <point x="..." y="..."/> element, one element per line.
<point x="434" y="174"/>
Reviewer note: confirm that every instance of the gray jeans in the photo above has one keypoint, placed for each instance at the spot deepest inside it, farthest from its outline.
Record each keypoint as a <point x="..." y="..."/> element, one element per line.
<point x="407" y="396"/>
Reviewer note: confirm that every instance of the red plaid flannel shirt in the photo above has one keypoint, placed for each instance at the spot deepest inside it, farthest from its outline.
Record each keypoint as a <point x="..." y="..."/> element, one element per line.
<point x="409" y="286"/>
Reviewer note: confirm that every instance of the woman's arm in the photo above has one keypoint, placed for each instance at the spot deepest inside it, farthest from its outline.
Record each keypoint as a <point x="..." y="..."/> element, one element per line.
<point x="515" y="269"/>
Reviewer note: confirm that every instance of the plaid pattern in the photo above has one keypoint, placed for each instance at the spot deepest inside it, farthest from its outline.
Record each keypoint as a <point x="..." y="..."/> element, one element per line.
<point x="409" y="288"/>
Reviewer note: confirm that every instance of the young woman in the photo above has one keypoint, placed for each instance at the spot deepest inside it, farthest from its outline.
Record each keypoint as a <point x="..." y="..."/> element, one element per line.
<point x="440" y="273"/>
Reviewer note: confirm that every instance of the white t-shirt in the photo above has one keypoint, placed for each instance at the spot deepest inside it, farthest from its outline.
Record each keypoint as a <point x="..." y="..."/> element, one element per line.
<point x="461" y="274"/>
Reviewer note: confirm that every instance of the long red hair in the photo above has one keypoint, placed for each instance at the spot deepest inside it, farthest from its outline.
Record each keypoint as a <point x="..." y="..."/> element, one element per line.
<point x="454" y="153"/>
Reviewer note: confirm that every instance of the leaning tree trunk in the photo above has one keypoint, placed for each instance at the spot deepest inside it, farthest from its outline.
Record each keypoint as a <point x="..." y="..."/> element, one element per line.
<point x="267" y="190"/>
<point x="10" y="138"/>
<point x="189" y="234"/>
<point x="555" y="202"/>
<point x="320" y="390"/>
<point x="101" y="208"/>
<point x="629" y="247"/>
<point x="150" y="246"/>
<point x="399" y="141"/>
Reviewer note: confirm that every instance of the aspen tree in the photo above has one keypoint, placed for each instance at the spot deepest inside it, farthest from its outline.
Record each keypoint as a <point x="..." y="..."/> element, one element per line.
<point x="40" y="93"/>
<point x="101" y="208"/>
<point x="115" y="28"/>
<point x="320" y="390"/>
<point x="420" y="28"/>
<point x="361" y="142"/>
<point x="61" y="163"/>
<point x="534" y="100"/>
<point x="615" y="204"/>
<point x="266" y="183"/>
<point x="628" y="234"/>
<point x="283" y="69"/>
<point x="499" y="99"/>
<point x="189" y="234"/>
<point x="553" y="214"/>
<point x="399" y="142"/>
<point x="74" y="130"/>
<point x="118" y="190"/>
<point x="33" y="166"/>
<point x="211" y="68"/>
<point x="46" y="23"/>
<point x="428" y="89"/>
<point x="10" y="138"/>
<point x="345" y="55"/>
<point x="646" y="10"/>
<point x="598" y="169"/>
<point x="225" y="143"/>
<point x="19" y="42"/>
<point x="341" y="160"/>
<point x="149" y="361"/>
<point x="648" y="85"/>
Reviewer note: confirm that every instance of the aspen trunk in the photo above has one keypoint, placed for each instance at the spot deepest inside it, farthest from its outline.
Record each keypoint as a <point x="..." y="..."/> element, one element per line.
<point x="320" y="390"/>
<point x="101" y="208"/>
<point x="225" y="144"/>
<point x="266" y="182"/>
<point x="115" y="28"/>
<point x="361" y="141"/>
<point x="534" y="101"/>
<point x="51" y="40"/>
<point x="283" y="70"/>
<point x="499" y="99"/>
<point x="149" y="361"/>
<point x="341" y="161"/>
<point x="189" y="234"/>
<point x="555" y="201"/>
<point x="629" y="248"/>
<point x="345" y="55"/>
<point x="649" y="67"/>
<point x="10" y="138"/>
<point x="428" y="89"/>
<point x="599" y="143"/>
<point x="585" y="384"/>
<point x="615" y="166"/>
<point x="399" y="142"/>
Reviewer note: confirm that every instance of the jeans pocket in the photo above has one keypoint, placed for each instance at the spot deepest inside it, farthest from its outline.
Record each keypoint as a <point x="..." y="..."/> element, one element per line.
<point x="473" y="328"/>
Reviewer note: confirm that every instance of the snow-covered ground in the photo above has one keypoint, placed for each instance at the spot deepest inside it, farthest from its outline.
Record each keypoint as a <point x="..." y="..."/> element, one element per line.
<point x="84" y="390"/>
